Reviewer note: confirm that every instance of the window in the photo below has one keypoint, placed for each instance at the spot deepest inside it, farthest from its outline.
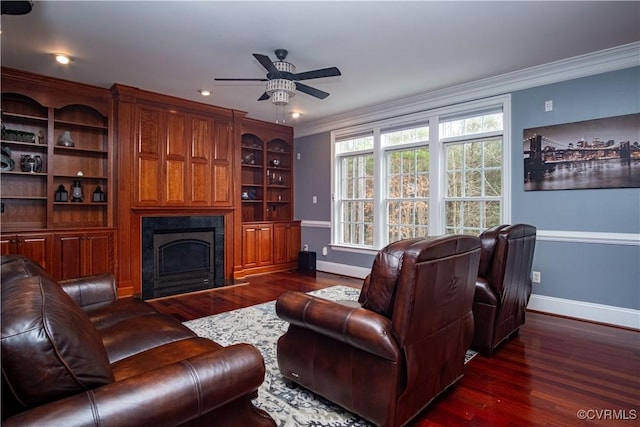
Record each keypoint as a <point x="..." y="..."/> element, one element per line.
<point x="473" y="165"/>
<point x="407" y="183"/>
<point x="441" y="171"/>
<point x="356" y="191"/>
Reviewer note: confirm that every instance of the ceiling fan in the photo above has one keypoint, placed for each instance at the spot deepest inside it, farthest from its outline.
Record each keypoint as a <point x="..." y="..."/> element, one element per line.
<point x="282" y="79"/>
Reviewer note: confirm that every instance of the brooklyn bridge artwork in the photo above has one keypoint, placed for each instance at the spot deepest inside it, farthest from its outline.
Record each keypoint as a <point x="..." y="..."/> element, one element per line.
<point x="600" y="153"/>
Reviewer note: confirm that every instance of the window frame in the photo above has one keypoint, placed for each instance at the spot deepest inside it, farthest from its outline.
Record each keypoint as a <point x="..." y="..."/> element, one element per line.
<point x="437" y="167"/>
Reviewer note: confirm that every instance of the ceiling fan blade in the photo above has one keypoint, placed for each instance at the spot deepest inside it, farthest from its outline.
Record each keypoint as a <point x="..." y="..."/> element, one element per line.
<point x="316" y="74"/>
<point x="241" y="80"/>
<point x="263" y="97"/>
<point x="311" y="91"/>
<point x="267" y="64"/>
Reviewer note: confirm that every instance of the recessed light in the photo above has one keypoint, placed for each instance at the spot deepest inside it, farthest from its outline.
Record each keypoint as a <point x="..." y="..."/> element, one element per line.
<point x="295" y="115"/>
<point x="204" y="92"/>
<point x="62" y="58"/>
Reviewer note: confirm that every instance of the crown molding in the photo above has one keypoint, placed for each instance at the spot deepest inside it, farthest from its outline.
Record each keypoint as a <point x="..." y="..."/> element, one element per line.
<point x="603" y="61"/>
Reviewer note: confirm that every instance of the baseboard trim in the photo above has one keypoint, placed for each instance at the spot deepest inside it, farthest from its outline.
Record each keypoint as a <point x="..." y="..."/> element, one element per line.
<point x="599" y="313"/>
<point x="342" y="269"/>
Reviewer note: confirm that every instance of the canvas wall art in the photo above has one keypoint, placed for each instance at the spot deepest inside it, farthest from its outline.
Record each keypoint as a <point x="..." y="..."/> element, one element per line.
<point x="600" y="153"/>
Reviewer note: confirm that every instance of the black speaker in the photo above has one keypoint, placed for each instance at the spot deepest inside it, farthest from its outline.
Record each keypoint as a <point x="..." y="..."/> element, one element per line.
<point x="306" y="261"/>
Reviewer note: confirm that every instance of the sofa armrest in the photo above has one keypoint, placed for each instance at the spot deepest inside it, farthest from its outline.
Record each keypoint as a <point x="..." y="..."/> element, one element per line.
<point x="170" y="395"/>
<point x="92" y="290"/>
<point x="356" y="326"/>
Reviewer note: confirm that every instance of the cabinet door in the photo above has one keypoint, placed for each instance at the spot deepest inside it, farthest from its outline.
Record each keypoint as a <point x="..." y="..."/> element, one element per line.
<point x="68" y="255"/>
<point x="294" y="242"/>
<point x="36" y="246"/>
<point x="222" y="165"/>
<point x="148" y="166"/>
<point x="200" y="161"/>
<point x="265" y="245"/>
<point x="8" y="244"/>
<point x="286" y="242"/>
<point x="98" y="253"/>
<point x="257" y="245"/>
<point x="175" y="161"/>
<point x="280" y="243"/>
<point x="250" y="245"/>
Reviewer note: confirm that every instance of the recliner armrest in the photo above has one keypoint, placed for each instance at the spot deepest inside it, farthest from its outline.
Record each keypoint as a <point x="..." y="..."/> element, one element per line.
<point x="356" y="326"/>
<point x="89" y="291"/>
<point x="169" y="395"/>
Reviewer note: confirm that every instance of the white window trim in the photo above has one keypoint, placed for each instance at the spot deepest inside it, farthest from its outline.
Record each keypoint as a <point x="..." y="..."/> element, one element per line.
<point x="436" y="149"/>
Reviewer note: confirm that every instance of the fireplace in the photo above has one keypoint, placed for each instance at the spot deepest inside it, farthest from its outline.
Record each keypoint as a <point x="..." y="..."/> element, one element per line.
<point x="181" y="254"/>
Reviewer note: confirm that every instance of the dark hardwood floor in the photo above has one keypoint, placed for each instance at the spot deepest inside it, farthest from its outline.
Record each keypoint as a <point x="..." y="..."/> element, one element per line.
<point x="556" y="372"/>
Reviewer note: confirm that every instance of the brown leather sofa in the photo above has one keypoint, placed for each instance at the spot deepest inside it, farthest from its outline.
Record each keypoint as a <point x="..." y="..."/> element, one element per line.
<point x="75" y="355"/>
<point x="503" y="286"/>
<point x="388" y="356"/>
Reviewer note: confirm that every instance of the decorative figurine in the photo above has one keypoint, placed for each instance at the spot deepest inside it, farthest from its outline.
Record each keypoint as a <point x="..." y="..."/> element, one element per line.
<point x="76" y="192"/>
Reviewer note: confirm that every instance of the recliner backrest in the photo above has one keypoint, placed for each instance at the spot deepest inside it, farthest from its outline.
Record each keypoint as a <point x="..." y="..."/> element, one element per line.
<point x="413" y="276"/>
<point x="435" y="287"/>
<point x="513" y="259"/>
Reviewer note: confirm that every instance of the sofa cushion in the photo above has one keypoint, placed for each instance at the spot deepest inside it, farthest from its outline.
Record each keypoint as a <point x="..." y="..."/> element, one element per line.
<point x="65" y="354"/>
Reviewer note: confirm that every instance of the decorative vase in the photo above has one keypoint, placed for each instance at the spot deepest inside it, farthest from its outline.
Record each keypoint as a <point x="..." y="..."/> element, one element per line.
<point x="65" y="139"/>
<point x="31" y="163"/>
<point x="6" y="162"/>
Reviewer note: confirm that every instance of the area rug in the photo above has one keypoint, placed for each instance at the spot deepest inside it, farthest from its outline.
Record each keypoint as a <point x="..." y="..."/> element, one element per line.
<point x="259" y="325"/>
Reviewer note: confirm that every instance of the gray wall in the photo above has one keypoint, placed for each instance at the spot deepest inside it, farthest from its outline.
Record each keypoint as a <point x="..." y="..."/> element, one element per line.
<point x="592" y="272"/>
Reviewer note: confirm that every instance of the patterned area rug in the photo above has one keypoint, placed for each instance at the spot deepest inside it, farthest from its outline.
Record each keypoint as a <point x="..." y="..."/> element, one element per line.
<point x="259" y="325"/>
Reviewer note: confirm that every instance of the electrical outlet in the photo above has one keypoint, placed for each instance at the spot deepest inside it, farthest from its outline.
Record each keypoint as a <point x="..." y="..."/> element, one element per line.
<point x="305" y="248"/>
<point x="535" y="276"/>
<point x="324" y="251"/>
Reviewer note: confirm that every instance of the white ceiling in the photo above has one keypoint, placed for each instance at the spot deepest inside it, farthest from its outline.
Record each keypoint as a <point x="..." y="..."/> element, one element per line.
<point x="386" y="50"/>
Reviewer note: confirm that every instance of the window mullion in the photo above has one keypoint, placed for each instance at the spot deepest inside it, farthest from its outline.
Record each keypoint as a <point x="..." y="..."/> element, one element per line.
<point x="437" y="176"/>
<point x="379" y="193"/>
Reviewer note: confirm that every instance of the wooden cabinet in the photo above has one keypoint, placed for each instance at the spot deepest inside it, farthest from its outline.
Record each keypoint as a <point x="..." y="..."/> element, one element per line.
<point x="269" y="246"/>
<point x="257" y="244"/>
<point x="37" y="246"/>
<point x="182" y="159"/>
<point x="55" y="135"/>
<point x="286" y="242"/>
<point x="83" y="253"/>
<point x="266" y="199"/>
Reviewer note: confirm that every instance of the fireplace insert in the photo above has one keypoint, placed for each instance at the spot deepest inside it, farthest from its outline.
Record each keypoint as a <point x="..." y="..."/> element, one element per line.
<point x="181" y="254"/>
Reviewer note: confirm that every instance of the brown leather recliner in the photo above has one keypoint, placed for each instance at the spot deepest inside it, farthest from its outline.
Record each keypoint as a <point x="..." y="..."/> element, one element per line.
<point x="388" y="356"/>
<point x="503" y="287"/>
<point x="75" y="355"/>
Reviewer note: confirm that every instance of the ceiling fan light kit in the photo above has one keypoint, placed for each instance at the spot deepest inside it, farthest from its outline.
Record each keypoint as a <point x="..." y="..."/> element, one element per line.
<point x="282" y="79"/>
<point x="280" y="90"/>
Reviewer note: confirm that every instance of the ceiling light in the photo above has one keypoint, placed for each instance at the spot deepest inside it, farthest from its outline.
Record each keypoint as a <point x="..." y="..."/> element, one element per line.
<point x="281" y="89"/>
<point x="62" y="58"/>
<point x="204" y="92"/>
<point x="295" y="115"/>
